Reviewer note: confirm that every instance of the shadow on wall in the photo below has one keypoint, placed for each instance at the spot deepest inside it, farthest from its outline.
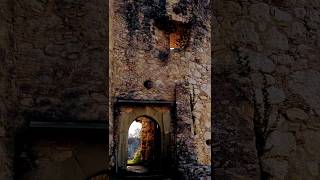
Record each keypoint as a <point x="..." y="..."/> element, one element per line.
<point x="86" y="162"/>
<point x="62" y="155"/>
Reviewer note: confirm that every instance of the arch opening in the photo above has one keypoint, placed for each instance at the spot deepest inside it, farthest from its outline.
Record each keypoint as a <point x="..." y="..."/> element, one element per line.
<point x="144" y="145"/>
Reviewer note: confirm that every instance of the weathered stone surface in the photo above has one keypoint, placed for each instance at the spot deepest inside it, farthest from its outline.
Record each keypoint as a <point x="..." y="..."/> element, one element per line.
<point x="9" y="118"/>
<point x="278" y="169"/>
<point x="276" y="40"/>
<point x="61" y="59"/>
<point x="258" y="62"/>
<point x="92" y="158"/>
<point x="281" y="144"/>
<point x="311" y="140"/>
<point x="283" y="85"/>
<point x="280" y="15"/>
<point x="307" y="85"/>
<point x="296" y="114"/>
<point x="53" y="54"/>
<point x="275" y="95"/>
<point x="260" y="11"/>
<point x="245" y="32"/>
<point x="6" y="161"/>
<point x="68" y="169"/>
<point x="180" y="74"/>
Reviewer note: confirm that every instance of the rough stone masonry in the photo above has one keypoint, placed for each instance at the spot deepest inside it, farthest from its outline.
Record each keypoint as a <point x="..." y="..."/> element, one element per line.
<point x="141" y="35"/>
<point x="265" y="70"/>
<point x="266" y="84"/>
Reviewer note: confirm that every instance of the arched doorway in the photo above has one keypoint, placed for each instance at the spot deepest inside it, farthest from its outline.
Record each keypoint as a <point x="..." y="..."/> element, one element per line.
<point x="126" y="115"/>
<point x="144" y="145"/>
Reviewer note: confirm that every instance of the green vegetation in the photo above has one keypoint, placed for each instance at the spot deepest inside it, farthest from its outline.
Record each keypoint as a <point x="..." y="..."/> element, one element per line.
<point x="136" y="158"/>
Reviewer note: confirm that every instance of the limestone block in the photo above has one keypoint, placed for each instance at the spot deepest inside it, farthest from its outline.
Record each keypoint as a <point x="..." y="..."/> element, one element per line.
<point x="275" y="95"/>
<point x="277" y="168"/>
<point x="27" y="102"/>
<point x="270" y="79"/>
<point x="206" y="88"/>
<point x="257" y="79"/>
<point x="260" y="11"/>
<point x="281" y="15"/>
<point x="258" y="96"/>
<point x="296" y="114"/>
<point x="259" y="62"/>
<point x="281" y="144"/>
<point x="245" y="32"/>
<point x="313" y="18"/>
<point x="276" y="40"/>
<point x="282" y="70"/>
<point x="298" y="30"/>
<point x="283" y="59"/>
<point x="300" y="12"/>
<point x="246" y="111"/>
<point x="5" y="161"/>
<point x="307" y="85"/>
<point x="233" y="7"/>
<point x="312" y="143"/>
<point x="2" y="131"/>
<point x="313" y="167"/>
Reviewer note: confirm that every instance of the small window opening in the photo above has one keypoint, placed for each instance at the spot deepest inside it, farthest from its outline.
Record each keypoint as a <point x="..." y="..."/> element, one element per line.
<point x="179" y="36"/>
<point x="174" y="40"/>
<point x="171" y="34"/>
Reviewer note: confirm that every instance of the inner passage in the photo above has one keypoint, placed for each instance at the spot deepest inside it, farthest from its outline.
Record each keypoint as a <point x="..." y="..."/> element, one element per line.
<point x="143" y="145"/>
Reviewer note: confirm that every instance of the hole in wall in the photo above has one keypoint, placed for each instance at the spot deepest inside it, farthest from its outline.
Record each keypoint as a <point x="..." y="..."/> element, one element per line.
<point x="171" y="35"/>
<point x="208" y="142"/>
<point x="179" y="36"/>
<point x="148" y="84"/>
<point x="163" y="56"/>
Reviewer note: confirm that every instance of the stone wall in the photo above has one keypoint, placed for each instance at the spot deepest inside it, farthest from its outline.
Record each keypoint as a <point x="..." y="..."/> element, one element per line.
<point x="148" y="133"/>
<point x="60" y="53"/>
<point x="62" y="58"/>
<point x="140" y="51"/>
<point x="62" y="154"/>
<point x="53" y="58"/>
<point x="266" y="83"/>
<point x="7" y="91"/>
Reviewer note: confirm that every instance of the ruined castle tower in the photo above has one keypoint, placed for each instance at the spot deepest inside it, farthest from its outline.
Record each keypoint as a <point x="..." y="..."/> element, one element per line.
<point x="75" y="71"/>
<point x="74" y="74"/>
<point x="160" y="67"/>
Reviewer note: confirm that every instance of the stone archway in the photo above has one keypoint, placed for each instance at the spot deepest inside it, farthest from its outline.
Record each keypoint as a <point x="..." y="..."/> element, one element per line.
<point x="127" y="114"/>
<point x="144" y="145"/>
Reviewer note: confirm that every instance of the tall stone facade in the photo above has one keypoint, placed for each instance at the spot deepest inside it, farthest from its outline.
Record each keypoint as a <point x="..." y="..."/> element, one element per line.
<point x="141" y="51"/>
<point x="265" y="63"/>
<point x="266" y="83"/>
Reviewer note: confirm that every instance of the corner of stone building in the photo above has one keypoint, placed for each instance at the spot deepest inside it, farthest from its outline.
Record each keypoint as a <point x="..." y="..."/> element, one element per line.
<point x="189" y="159"/>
